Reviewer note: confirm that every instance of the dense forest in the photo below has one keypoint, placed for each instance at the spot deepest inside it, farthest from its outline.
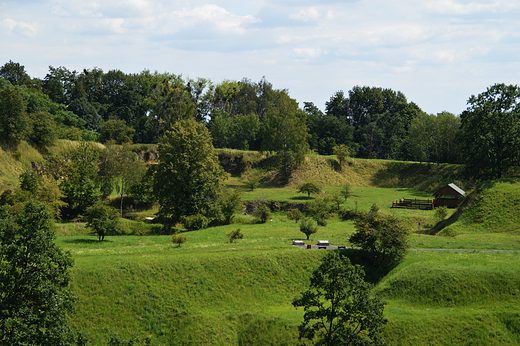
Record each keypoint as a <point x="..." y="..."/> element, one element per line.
<point x="96" y="105"/>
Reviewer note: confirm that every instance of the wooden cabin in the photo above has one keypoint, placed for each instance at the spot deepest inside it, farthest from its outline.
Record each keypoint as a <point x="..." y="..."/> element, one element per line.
<point x="449" y="196"/>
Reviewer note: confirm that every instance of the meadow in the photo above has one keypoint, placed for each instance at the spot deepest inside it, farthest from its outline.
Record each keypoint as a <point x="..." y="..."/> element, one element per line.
<point x="210" y="291"/>
<point x="213" y="292"/>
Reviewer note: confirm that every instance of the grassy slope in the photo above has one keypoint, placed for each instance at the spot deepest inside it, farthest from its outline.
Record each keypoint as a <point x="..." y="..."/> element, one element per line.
<point x="213" y="292"/>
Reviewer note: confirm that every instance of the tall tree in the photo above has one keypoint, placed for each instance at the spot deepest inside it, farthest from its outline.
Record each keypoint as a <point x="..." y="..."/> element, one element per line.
<point x="284" y="131"/>
<point x="15" y="73"/>
<point x="188" y="179"/>
<point x="490" y="131"/>
<point x="34" y="281"/>
<point x="339" y="309"/>
<point x="13" y="115"/>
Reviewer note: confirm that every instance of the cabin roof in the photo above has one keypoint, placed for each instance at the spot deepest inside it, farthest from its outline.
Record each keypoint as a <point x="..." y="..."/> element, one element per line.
<point x="452" y="187"/>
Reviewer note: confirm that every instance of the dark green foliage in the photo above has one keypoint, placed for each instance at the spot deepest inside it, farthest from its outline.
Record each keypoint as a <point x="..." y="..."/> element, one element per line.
<point x="307" y="227"/>
<point x="231" y="203"/>
<point x="13" y="115"/>
<point x="79" y="173"/>
<point x="15" y="74"/>
<point x="117" y="131"/>
<point x="86" y="111"/>
<point x="294" y="214"/>
<point x="382" y="237"/>
<point x="235" y="234"/>
<point x="490" y="134"/>
<point x="43" y="131"/>
<point x="195" y="222"/>
<point x="102" y="220"/>
<point x="433" y="138"/>
<point x="331" y="129"/>
<point x="263" y="213"/>
<point x="320" y="210"/>
<point x="179" y="239"/>
<point x="188" y="179"/>
<point x="309" y="188"/>
<point x="339" y="309"/>
<point x="34" y="281"/>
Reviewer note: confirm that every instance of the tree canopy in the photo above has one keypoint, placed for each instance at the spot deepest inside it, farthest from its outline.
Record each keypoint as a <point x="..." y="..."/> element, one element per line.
<point x="188" y="179"/>
<point x="490" y="131"/>
<point x="34" y="281"/>
<point x="339" y="309"/>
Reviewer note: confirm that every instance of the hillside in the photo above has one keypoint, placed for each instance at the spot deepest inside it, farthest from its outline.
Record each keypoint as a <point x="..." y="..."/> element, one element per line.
<point x="493" y="207"/>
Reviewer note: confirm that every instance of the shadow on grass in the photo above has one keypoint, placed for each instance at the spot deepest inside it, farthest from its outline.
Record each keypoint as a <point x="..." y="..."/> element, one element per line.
<point x="86" y="241"/>
<point x="302" y="198"/>
<point x="373" y="273"/>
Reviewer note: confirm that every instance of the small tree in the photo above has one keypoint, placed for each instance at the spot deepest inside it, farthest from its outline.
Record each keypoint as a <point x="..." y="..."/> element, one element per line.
<point x="339" y="309"/>
<point x="307" y="227"/>
<point x="234" y="235"/>
<point x="382" y="237"/>
<point x="319" y="210"/>
<point x="179" y="239"/>
<point x="103" y="220"/>
<point x="252" y="180"/>
<point x="346" y="191"/>
<point x="441" y="213"/>
<point x="294" y="214"/>
<point x="263" y="213"/>
<point x="231" y="202"/>
<point x="309" y="188"/>
<point x="338" y="199"/>
<point x="342" y="152"/>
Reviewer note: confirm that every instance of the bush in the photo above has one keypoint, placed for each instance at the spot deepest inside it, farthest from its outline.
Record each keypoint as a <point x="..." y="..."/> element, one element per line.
<point x="382" y="237"/>
<point x="235" y="234"/>
<point x="179" y="239"/>
<point x="195" y="222"/>
<point x="263" y="213"/>
<point x="307" y="227"/>
<point x="294" y="214"/>
<point x="441" y="212"/>
<point x="103" y="220"/>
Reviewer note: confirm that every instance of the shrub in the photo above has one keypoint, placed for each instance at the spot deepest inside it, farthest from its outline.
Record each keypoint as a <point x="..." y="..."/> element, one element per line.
<point x="103" y="220"/>
<point x="234" y="235"/>
<point x="179" y="239"/>
<point x="441" y="212"/>
<point x="263" y="213"/>
<point x="307" y="227"/>
<point x="382" y="237"/>
<point x="294" y="214"/>
<point x="195" y="222"/>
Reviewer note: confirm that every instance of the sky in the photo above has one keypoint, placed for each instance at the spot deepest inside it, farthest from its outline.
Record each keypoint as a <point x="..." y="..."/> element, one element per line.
<point x="437" y="52"/>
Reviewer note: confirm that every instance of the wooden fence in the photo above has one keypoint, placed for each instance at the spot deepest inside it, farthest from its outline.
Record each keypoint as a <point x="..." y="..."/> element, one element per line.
<point x="424" y="204"/>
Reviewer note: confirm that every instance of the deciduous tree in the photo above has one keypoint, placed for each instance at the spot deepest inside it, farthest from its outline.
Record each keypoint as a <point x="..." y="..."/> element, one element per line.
<point x="34" y="281"/>
<point x="339" y="309"/>
<point x="490" y="131"/>
<point x="188" y="179"/>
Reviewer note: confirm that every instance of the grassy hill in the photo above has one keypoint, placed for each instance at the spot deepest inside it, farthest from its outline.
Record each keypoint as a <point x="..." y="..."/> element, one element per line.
<point x="493" y="207"/>
<point x="211" y="292"/>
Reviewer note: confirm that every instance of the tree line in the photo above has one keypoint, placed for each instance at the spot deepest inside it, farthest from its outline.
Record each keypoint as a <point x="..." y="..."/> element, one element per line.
<point x="93" y="104"/>
<point x="365" y="122"/>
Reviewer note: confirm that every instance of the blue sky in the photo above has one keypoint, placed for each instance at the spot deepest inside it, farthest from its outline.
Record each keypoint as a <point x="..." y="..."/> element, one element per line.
<point x="438" y="52"/>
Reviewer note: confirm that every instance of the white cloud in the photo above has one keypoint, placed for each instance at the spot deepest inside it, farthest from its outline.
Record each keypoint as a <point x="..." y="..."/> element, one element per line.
<point x="307" y="14"/>
<point x="208" y="15"/>
<point x="20" y="27"/>
<point x="307" y="53"/>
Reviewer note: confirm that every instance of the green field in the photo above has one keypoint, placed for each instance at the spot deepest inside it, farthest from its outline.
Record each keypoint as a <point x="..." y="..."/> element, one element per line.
<point x="212" y="292"/>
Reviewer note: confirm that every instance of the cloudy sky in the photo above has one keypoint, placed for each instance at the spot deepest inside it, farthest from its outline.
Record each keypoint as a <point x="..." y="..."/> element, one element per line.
<point x="437" y="52"/>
